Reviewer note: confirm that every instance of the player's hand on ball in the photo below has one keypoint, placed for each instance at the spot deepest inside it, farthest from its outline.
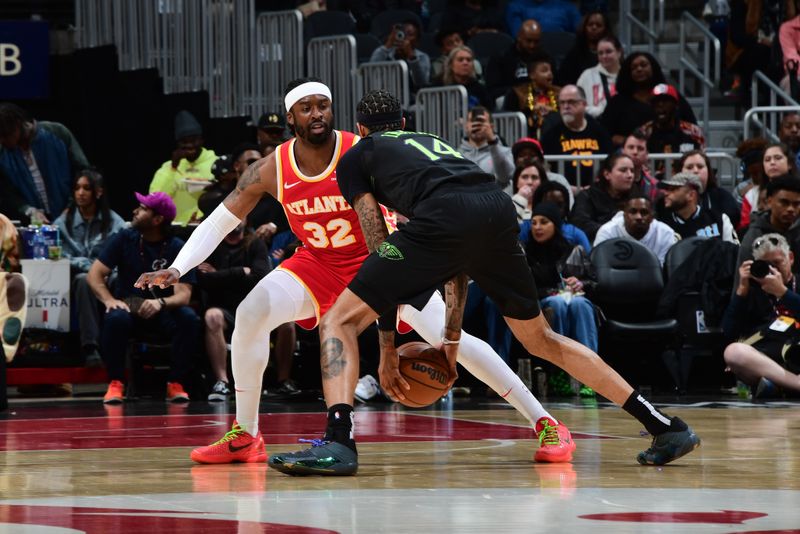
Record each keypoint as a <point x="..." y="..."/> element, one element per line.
<point x="451" y="351"/>
<point x="391" y="380"/>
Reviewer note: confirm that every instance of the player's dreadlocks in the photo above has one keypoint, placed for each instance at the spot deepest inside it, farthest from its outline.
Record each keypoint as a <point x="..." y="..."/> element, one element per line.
<point x="380" y="111"/>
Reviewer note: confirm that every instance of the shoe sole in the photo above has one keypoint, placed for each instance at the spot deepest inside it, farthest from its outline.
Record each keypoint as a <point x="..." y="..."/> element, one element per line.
<point x="302" y="470"/>
<point x="555" y="459"/>
<point x="259" y="458"/>
<point x="115" y="400"/>
<point x="691" y="444"/>
<point x="217" y="397"/>
<point x="178" y="399"/>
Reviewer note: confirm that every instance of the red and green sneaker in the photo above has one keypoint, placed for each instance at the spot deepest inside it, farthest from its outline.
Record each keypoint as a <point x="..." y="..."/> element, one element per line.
<point x="235" y="446"/>
<point x="555" y="442"/>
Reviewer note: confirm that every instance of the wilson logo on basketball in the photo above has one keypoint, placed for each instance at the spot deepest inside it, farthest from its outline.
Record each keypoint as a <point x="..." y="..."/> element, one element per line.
<point x="434" y="374"/>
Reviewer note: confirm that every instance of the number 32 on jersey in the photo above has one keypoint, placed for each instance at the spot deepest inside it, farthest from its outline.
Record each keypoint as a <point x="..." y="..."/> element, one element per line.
<point x="336" y="233"/>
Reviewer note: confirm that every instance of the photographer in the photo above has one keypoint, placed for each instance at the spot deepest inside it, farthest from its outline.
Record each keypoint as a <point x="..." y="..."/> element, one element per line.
<point x="401" y="44"/>
<point x="764" y="311"/>
<point x="483" y="146"/>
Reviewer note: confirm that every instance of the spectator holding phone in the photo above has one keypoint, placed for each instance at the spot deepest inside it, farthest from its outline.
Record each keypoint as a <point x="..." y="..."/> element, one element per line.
<point x="401" y="45"/>
<point x="483" y="146"/>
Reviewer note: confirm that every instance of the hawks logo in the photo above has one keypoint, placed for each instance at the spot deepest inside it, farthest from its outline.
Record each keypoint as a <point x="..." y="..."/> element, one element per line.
<point x="389" y="252"/>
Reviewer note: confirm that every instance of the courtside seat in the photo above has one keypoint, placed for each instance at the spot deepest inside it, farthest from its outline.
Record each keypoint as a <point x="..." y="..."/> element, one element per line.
<point x="629" y="284"/>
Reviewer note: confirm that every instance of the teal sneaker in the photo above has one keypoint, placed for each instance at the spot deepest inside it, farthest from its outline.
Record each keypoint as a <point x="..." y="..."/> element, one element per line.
<point x="327" y="458"/>
<point x="669" y="446"/>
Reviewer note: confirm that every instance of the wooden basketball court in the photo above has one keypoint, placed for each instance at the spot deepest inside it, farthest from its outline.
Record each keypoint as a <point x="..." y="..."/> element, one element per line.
<point x="464" y="466"/>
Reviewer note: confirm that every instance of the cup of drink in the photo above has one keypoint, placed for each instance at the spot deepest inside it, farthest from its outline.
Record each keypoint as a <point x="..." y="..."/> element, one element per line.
<point x="54" y="252"/>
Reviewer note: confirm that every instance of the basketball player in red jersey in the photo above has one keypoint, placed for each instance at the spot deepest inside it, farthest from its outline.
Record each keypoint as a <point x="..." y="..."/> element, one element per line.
<point x="301" y="174"/>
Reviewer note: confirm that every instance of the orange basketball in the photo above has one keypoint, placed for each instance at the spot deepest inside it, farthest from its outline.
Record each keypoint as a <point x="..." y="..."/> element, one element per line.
<point x="426" y="371"/>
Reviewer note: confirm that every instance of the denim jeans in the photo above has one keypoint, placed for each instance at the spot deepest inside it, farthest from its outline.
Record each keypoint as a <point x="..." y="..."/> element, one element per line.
<point x="181" y="324"/>
<point x="575" y="320"/>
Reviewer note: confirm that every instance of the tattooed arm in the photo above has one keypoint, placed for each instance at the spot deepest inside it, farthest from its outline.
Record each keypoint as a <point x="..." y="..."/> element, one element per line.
<point x="259" y="178"/>
<point x="371" y="219"/>
<point x="455" y="292"/>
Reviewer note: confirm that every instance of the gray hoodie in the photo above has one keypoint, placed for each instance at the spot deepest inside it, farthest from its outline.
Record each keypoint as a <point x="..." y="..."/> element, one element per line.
<point x="494" y="159"/>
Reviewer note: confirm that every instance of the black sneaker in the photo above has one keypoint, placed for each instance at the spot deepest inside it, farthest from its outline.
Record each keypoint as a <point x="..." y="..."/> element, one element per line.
<point x="669" y="446"/>
<point x="327" y="458"/>
<point x="288" y="388"/>
<point x="92" y="357"/>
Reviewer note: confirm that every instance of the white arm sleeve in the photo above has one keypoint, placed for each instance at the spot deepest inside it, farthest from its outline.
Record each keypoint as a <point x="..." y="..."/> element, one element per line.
<point x="205" y="239"/>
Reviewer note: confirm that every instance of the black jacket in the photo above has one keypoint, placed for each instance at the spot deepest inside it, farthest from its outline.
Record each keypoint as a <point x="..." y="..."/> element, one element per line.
<point x="709" y="270"/>
<point x="594" y="207"/>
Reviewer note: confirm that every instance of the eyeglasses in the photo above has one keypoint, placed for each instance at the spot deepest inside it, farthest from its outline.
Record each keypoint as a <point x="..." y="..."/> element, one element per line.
<point x="570" y="102"/>
<point x="761" y="240"/>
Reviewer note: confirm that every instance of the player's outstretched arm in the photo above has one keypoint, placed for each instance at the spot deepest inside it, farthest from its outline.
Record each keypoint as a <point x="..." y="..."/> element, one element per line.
<point x="371" y="218"/>
<point x="455" y="292"/>
<point x="258" y="179"/>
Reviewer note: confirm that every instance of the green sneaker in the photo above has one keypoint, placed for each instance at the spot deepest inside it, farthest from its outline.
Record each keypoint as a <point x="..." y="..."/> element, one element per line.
<point x="327" y="458"/>
<point x="669" y="446"/>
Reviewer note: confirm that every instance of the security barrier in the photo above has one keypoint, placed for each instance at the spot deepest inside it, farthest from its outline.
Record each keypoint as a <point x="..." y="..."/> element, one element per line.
<point x="389" y="75"/>
<point x="333" y="60"/>
<point x="279" y="59"/>
<point x="510" y="126"/>
<point x="726" y="166"/>
<point x="442" y="111"/>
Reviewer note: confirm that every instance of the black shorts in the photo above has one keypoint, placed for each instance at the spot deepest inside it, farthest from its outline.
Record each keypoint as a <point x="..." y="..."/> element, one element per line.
<point x="470" y="229"/>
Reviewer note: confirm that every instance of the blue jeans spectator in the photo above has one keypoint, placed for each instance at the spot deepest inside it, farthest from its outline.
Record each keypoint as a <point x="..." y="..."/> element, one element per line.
<point x="575" y="320"/>
<point x="181" y="324"/>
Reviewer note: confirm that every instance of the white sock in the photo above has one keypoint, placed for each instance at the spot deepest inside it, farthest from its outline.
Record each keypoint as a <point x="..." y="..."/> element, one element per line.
<point x="477" y="357"/>
<point x="277" y="299"/>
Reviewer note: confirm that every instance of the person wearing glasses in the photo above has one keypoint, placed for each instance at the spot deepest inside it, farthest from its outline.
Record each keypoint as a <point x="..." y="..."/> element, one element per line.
<point x="780" y="217"/>
<point x="763" y="314"/>
<point x="576" y="134"/>
<point x="188" y="171"/>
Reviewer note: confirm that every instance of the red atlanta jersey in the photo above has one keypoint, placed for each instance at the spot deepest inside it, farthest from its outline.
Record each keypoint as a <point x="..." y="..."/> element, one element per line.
<point x="333" y="243"/>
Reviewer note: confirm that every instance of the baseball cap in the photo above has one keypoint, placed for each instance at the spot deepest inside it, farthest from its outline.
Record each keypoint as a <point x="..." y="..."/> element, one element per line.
<point x="665" y="90"/>
<point x="161" y="203"/>
<point x="681" y="179"/>
<point x="223" y="165"/>
<point x="524" y="142"/>
<point x="271" y="121"/>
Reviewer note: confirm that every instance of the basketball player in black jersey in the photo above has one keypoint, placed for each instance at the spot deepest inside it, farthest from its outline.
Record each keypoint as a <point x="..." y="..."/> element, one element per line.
<point x="461" y="225"/>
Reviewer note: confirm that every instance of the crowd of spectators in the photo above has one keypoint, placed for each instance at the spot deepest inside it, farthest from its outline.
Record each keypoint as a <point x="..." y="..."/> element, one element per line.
<point x="595" y="101"/>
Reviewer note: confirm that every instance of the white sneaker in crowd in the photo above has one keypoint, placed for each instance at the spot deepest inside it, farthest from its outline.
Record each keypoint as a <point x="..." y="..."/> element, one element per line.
<point x="367" y="388"/>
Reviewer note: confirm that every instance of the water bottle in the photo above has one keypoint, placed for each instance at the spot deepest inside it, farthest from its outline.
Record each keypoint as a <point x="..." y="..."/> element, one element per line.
<point x="39" y="247"/>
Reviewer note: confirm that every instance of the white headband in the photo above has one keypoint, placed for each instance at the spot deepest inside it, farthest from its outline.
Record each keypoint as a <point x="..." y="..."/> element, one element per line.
<point x="304" y="90"/>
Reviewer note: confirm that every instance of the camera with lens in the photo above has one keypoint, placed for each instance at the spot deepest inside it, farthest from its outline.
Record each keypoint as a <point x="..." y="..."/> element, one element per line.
<point x="759" y="269"/>
<point x="399" y="32"/>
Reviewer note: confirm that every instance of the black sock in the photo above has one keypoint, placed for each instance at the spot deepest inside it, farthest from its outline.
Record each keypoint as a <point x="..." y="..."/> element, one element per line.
<point x="653" y="420"/>
<point x="340" y="425"/>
